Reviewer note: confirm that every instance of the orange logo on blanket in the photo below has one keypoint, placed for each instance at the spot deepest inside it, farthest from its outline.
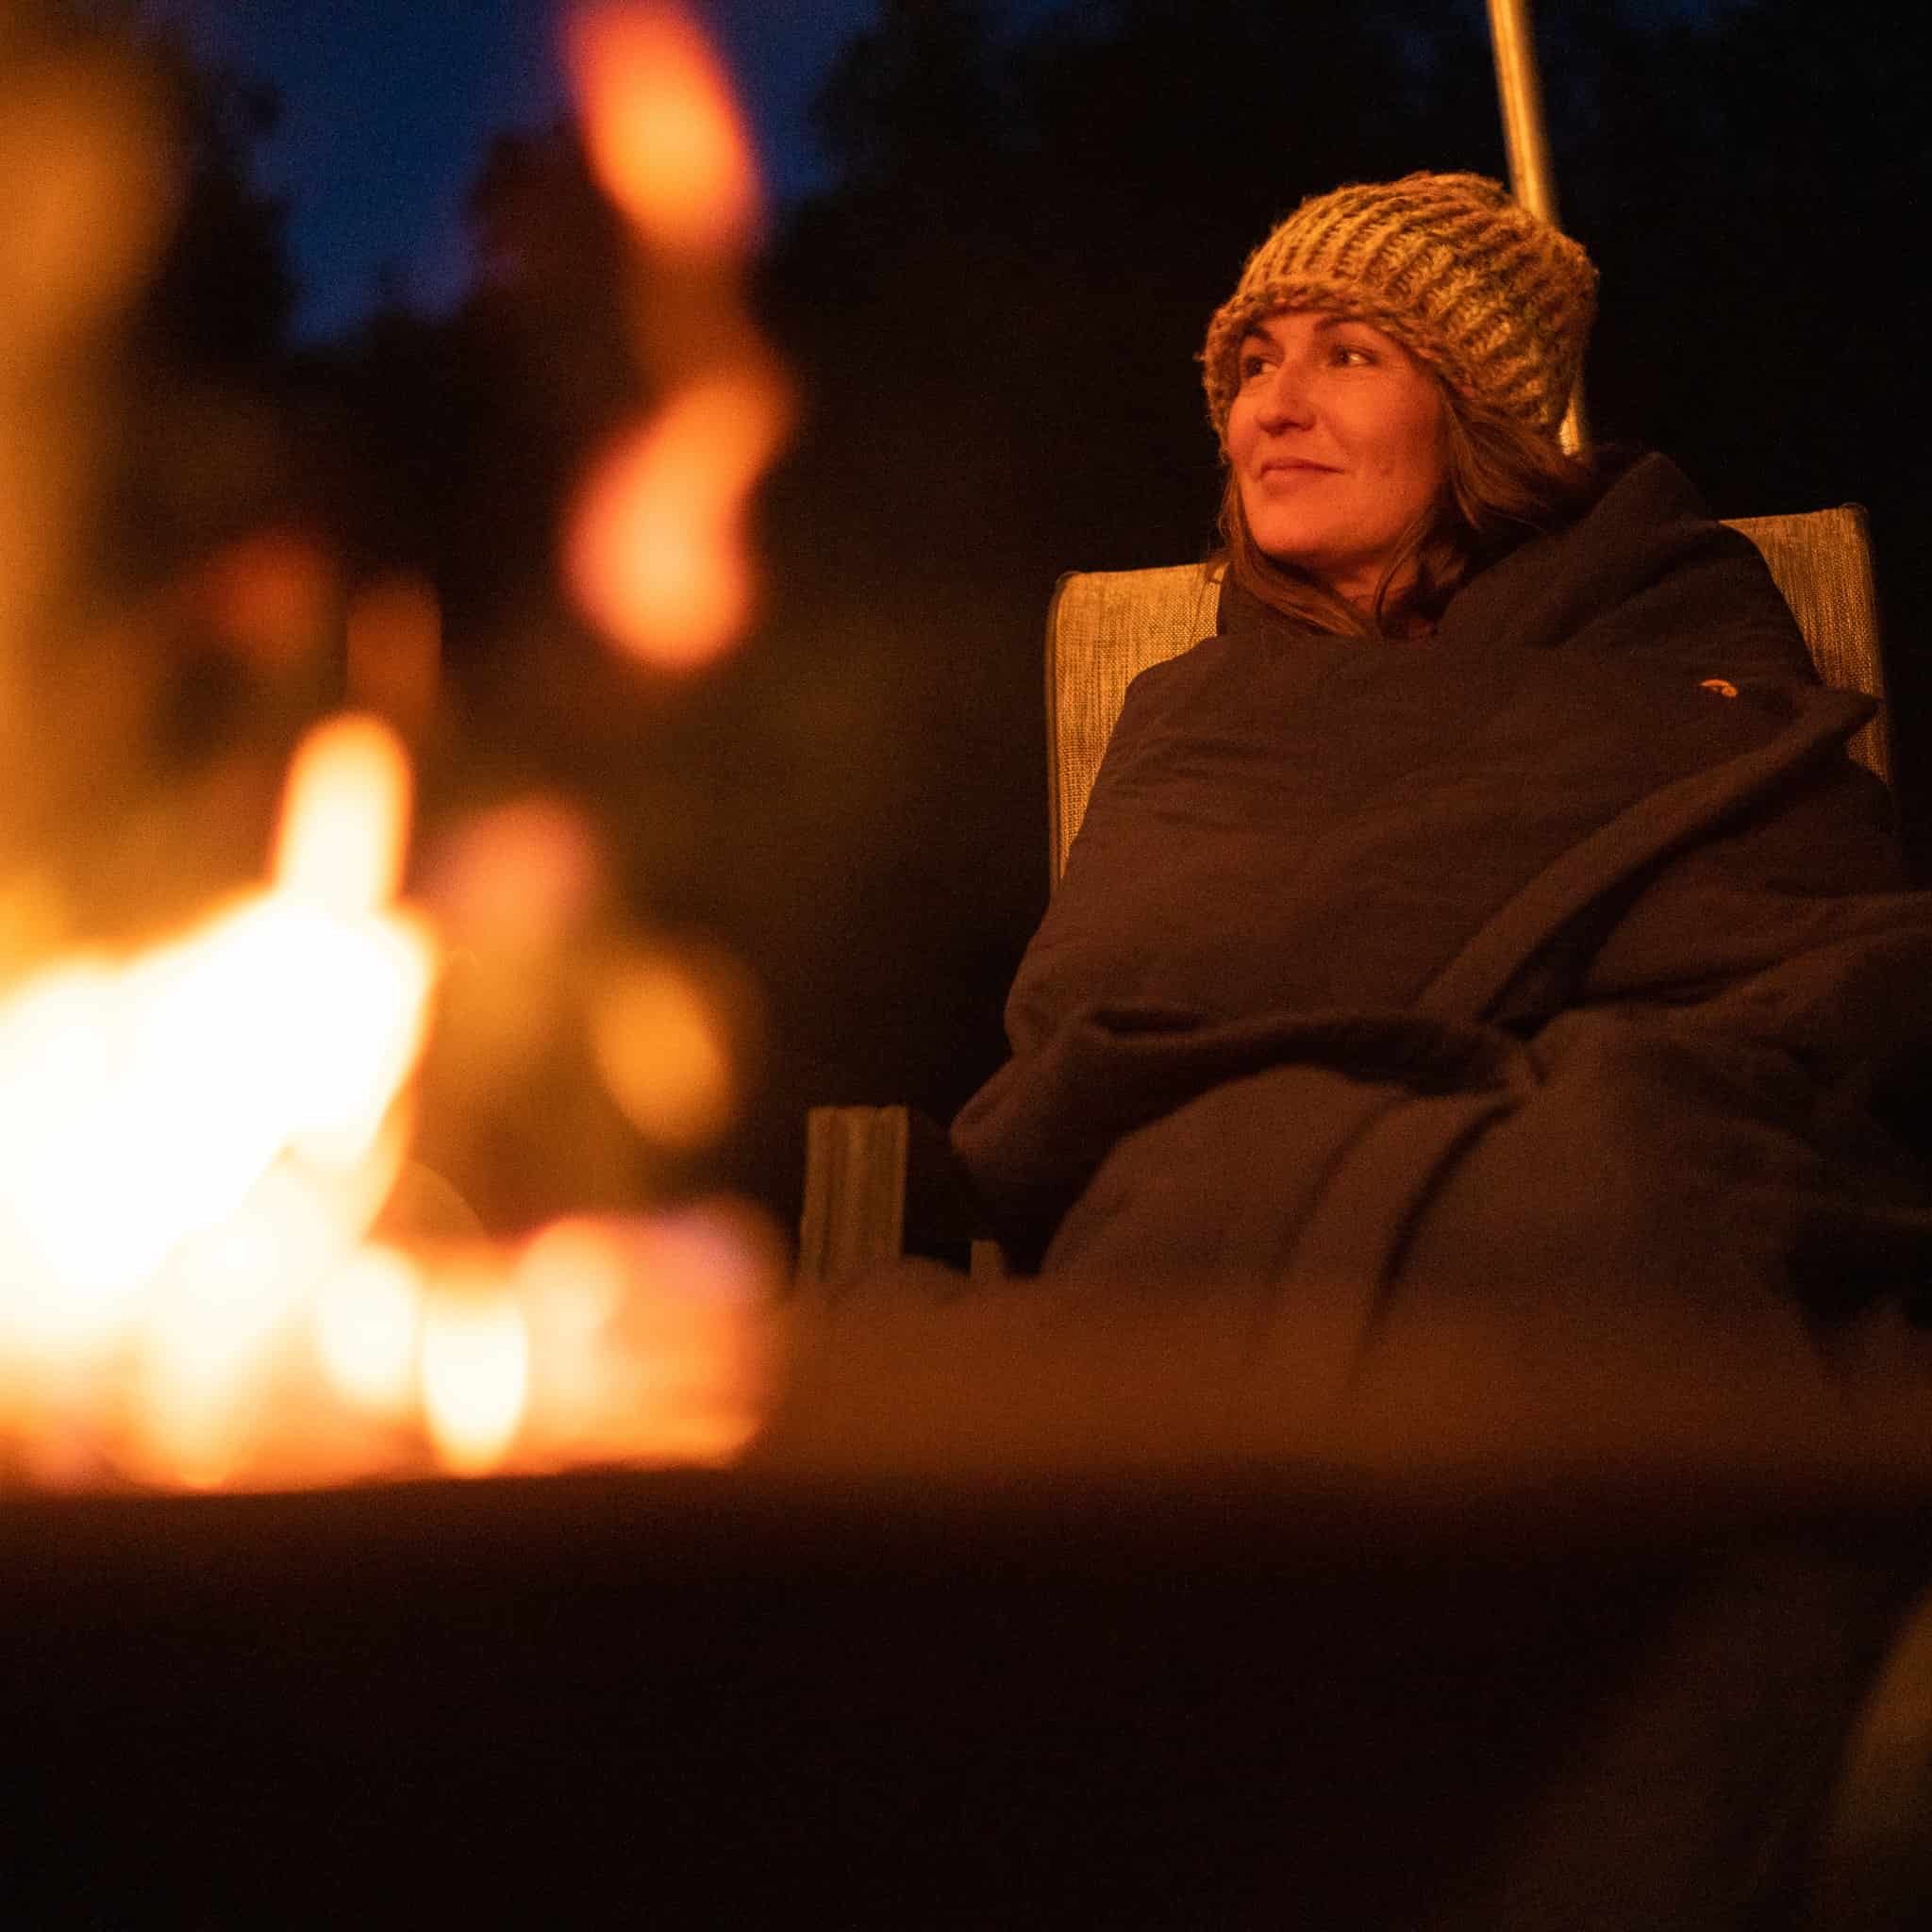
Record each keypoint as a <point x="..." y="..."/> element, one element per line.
<point x="1723" y="686"/>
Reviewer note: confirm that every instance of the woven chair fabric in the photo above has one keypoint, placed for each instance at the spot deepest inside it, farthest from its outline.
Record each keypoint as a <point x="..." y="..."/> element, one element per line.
<point x="1822" y="560"/>
<point x="1105" y="627"/>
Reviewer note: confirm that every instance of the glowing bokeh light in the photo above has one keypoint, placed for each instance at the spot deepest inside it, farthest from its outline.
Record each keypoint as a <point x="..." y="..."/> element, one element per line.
<point x="662" y="1051"/>
<point x="475" y="1371"/>
<point x="656" y="555"/>
<point x="665" y="138"/>
<point x="91" y="188"/>
<point x="217" y="1267"/>
<point x="367" y="1318"/>
<point x="517" y="877"/>
<point x="345" y="819"/>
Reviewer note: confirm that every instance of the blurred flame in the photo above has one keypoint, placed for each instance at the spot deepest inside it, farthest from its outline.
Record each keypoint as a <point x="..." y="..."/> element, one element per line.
<point x="657" y="555"/>
<point x="661" y="1048"/>
<point x="665" y="135"/>
<point x="214" y="1107"/>
<point x="649" y="1346"/>
<point x="194" y="1146"/>
<point x="91" y="189"/>
<point x="203" y="1173"/>
<point x="367" y="1319"/>
<point x="655" y="548"/>
<point x="475" y="1371"/>
<point x="346" y="818"/>
<point x="518" y="877"/>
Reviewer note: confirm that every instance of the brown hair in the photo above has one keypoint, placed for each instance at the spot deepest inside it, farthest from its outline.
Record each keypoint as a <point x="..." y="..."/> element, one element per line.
<point x="1503" y="480"/>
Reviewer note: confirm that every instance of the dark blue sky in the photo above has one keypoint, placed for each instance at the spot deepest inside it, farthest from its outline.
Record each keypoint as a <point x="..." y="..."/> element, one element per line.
<point x="387" y="107"/>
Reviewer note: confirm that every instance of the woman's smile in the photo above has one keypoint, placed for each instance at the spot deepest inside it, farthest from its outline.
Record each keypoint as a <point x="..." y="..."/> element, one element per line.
<point x="1293" y="468"/>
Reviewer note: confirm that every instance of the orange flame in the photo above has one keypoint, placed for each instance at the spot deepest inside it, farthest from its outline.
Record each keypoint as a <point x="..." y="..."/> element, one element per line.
<point x="346" y="817"/>
<point x="665" y="139"/>
<point x="208" y="1119"/>
<point x="198" y="1140"/>
<point x="475" y="1371"/>
<point x="656" y="555"/>
<point x="655" y="551"/>
<point x="663" y="1051"/>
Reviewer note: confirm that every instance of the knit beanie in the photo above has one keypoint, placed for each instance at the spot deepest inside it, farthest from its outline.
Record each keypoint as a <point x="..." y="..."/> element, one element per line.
<point x="1491" y="298"/>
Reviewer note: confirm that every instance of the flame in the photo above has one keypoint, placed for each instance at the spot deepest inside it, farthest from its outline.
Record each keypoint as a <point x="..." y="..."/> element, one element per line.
<point x="194" y="1146"/>
<point x="476" y="1369"/>
<point x="519" y="878"/>
<point x="346" y="818"/>
<point x="654" y="549"/>
<point x="209" y="1275"/>
<point x="367" y="1321"/>
<point x="648" y="1342"/>
<point x="91" y="191"/>
<point x="213" y="1110"/>
<point x="665" y="139"/>
<point x="661" y="1048"/>
<point x="656" y="556"/>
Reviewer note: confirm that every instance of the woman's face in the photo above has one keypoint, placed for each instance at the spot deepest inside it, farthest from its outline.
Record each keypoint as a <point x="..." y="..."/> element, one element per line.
<point x="1336" y="442"/>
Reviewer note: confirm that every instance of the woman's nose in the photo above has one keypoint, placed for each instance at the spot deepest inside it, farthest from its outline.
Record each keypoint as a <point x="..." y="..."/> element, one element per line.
<point x="1284" y="402"/>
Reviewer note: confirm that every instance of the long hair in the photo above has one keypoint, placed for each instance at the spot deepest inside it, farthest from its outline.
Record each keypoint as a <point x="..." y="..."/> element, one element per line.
<point x="1503" y="481"/>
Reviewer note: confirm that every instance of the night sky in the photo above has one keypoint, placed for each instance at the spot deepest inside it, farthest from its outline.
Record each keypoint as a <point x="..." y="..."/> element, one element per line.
<point x="388" y="108"/>
<point x="388" y="105"/>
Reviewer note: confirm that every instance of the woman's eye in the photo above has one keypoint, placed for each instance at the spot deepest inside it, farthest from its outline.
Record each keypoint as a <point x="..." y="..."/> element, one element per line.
<point x="1351" y="356"/>
<point x="1253" y="363"/>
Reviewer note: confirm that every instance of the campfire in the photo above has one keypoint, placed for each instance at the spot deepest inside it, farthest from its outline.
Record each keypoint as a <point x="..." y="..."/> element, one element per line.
<point x="221" y="1264"/>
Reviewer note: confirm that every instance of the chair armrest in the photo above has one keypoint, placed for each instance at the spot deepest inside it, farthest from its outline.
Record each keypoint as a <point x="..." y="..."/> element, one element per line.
<point x="881" y="1182"/>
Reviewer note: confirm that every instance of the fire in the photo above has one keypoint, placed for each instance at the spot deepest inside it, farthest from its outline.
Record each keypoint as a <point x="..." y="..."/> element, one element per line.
<point x="192" y="1135"/>
<point x="655" y="551"/>
<point x="662" y="1048"/>
<point x="148" y="1098"/>
<point x="368" y="1321"/>
<point x="475" y="1371"/>
<point x="218" y="1266"/>
<point x="347" y="818"/>
<point x="657" y="556"/>
<point x="665" y="135"/>
<point x="195" y="1146"/>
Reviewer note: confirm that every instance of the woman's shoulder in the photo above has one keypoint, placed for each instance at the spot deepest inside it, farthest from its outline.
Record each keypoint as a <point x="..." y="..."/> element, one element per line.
<point x="1645" y="568"/>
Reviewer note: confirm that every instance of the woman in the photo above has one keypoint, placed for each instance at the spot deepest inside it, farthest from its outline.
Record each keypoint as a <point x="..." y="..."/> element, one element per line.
<point x="1467" y="1062"/>
<point x="1489" y="908"/>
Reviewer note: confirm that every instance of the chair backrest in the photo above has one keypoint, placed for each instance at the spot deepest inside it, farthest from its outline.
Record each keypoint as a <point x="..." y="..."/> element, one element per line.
<point x="1106" y="626"/>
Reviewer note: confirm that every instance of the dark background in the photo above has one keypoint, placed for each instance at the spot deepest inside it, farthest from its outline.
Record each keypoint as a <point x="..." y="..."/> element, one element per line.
<point x="991" y="302"/>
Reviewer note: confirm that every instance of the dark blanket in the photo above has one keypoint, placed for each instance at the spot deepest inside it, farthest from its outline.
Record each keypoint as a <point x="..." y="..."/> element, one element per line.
<point x="1562" y="956"/>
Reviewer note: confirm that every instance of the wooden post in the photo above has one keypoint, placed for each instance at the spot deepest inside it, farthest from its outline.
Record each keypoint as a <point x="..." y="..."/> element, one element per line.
<point x="1520" y="91"/>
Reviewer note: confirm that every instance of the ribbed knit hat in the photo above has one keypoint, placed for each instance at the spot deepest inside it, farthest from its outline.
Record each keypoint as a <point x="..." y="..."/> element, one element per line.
<point x="1491" y="297"/>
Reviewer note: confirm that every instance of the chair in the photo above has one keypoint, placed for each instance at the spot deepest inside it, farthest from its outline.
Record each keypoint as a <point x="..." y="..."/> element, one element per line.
<point x="1102" y="629"/>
